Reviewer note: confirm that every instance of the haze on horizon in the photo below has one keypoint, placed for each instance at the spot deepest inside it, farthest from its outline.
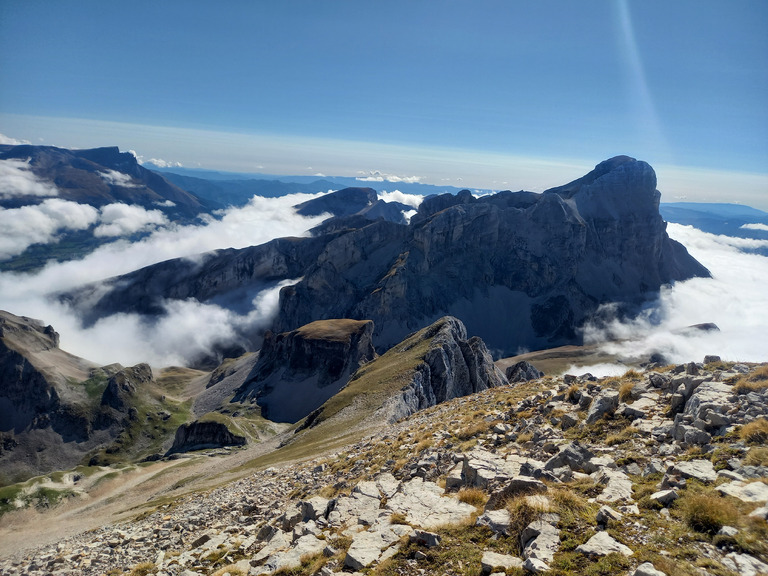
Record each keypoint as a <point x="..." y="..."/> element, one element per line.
<point x="485" y="94"/>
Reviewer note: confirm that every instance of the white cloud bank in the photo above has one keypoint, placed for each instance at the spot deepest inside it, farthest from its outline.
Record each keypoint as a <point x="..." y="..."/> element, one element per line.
<point x="189" y="327"/>
<point x="123" y="219"/>
<point x="17" y="179"/>
<point x="735" y="298"/>
<point x="12" y="141"/>
<point x="116" y="178"/>
<point x="379" y="176"/>
<point x="761" y="227"/>
<point x="41" y="224"/>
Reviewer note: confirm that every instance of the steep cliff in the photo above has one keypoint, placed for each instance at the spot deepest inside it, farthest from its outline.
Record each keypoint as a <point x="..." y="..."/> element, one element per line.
<point x="47" y="421"/>
<point x="299" y="370"/>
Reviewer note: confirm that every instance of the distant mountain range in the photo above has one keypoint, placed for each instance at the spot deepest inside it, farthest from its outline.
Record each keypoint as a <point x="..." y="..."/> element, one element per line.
<point x="725" y="219"/>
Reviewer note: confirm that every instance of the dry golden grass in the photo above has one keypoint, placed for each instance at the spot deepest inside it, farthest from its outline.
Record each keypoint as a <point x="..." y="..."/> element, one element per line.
<point x="572" y="394"/>
<point x="756" y="381"/>
<point x="756" y="432"/>
<point x="398" y="518"/>
<point x="757" y="456"/>
<point x="706" y="511"/>
<point x="338" y="330"/>
<point x="230" y="569"/>
<point x="474" y="496"/>
<point x="521" y="513"/>
<point x="524" y="437"/>
<point x="625" y="391"/>
<point x="623" y="436"/>
<point x="143" y="569"/>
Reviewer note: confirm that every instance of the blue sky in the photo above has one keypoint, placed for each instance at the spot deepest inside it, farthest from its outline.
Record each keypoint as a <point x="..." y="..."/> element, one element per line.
<point x="486" y="93"/>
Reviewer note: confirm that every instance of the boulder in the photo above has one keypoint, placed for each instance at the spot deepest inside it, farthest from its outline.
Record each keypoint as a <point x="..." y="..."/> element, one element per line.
<point x="701" y="470"/>
<point x="497" y="520"/>
<point x="606" y="401"/>
<point x="492" y="561"/>
<point x="522" y="372"/>
<point x="647" y="569"/>
<point x="424" y="505"/>
<point x="602" y="544"/>
<point x="573" y="455"/>
<point x="540" y="540"/>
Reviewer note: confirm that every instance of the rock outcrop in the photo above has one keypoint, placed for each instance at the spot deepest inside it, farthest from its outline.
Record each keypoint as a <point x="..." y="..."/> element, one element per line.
<point x="299" y="370"/>
<point x="549" y="260"/>
<point x="122" y="386"/>
<point x="203" y="434"/>
<point x="452" y="366"/>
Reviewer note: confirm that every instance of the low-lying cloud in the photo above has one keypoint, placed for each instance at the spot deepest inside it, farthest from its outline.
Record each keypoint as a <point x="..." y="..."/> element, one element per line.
<point x="735" y="299"/>
<point x="378" y="176"/>
<point x="17" y="179"/>
<point x="120" y="219"/>
<point x="189" y="328"/>
<point x="12" y="141"/>
<point x="117" y="178"/>
<point x="761" y="227"/>
<point x="41" y="224"/>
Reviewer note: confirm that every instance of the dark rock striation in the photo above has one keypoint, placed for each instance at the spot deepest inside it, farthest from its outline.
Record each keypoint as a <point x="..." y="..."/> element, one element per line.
<point x="299" y="370"/>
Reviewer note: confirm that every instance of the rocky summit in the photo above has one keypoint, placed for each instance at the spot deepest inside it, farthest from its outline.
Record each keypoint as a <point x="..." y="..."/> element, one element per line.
<point x="658" y="472"/>
<point x="549" y="260"/>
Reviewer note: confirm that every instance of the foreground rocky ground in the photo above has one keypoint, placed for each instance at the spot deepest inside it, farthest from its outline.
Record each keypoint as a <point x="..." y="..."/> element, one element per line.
<point x="661" y="472"/>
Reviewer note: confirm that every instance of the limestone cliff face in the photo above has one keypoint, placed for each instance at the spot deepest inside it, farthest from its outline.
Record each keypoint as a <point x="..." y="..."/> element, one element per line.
<point x="453" y="366"/>
<point x="25" y="391"/>
<point x="299" y="370"/>
<point x="233" y="275"/>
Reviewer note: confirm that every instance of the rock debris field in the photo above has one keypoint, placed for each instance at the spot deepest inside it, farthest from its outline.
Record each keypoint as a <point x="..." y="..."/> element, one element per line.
<point x="657" y="472"/>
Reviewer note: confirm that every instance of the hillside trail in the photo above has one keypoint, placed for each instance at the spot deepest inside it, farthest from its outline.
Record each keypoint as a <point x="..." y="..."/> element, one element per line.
<point x="124" y="497"/>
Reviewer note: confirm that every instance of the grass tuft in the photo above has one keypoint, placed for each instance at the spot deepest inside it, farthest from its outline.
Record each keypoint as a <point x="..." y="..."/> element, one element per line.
<point x="706" y="511"/>
<point x="754" y="382"/>
<point x="143" y="569"/>
<point x="756" y="432"/>
<point x="474" y="496"/>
